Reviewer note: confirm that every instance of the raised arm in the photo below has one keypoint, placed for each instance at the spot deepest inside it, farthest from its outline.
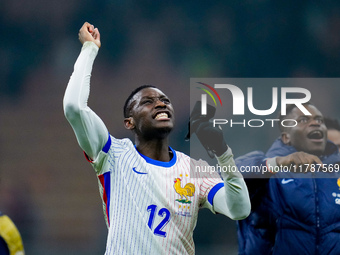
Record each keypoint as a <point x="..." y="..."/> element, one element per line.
<point x="233" y="199"/>
<point x="89" y="129"/>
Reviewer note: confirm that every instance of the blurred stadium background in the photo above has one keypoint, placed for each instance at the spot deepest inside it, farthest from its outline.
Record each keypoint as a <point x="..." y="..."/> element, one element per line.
<point x="46" y="185"/>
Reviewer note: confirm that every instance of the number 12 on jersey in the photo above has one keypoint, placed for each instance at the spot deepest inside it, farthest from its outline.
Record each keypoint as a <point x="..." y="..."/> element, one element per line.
<point x="163" y="212"/>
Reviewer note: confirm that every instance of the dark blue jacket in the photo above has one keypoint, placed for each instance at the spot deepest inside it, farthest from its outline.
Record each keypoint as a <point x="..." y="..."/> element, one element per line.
<point x="292" y="213"/>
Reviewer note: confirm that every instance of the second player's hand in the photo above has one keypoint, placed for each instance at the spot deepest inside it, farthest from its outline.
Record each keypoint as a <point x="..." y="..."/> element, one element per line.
<point x="89" y="33"/>
<point x="298" y="159"/>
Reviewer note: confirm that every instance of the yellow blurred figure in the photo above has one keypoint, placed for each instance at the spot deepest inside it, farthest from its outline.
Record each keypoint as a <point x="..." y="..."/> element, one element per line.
<point x="11" y="242"/>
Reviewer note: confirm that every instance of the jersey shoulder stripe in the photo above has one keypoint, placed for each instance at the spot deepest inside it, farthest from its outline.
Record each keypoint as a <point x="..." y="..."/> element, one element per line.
<point x="107" y="145"/>
<point x="213" y="191"/>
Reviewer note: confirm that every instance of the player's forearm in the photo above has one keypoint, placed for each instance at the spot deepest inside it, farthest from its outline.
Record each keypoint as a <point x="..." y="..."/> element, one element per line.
<point x="90" y="131"/>
<point x="78" y="88"/>
<point x="232" y="201"/>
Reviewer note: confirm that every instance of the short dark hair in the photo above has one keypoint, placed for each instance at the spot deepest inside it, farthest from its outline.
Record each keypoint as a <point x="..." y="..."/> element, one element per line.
<point x="289" y="109"/>
<point x="332" y="123"/>
<point x="127" y="108"/>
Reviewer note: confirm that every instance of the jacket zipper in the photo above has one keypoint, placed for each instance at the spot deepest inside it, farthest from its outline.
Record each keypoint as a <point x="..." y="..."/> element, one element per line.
<point x="317" y="214"/>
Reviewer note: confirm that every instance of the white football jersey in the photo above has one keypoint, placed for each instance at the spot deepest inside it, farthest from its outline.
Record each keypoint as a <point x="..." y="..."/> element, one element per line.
<point x="151" y="207"/>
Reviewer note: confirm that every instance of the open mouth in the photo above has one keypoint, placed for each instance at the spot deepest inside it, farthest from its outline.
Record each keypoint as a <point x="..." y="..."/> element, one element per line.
<point x="316" y="135"/>
<point x="162" y="116"/>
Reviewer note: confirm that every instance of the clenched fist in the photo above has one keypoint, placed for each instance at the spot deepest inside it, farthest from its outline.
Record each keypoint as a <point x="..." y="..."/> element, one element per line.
<point x="89" y="33"/>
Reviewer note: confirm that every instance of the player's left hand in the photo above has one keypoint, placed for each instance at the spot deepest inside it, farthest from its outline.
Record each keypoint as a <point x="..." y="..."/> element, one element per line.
<point x="211" y="138"/>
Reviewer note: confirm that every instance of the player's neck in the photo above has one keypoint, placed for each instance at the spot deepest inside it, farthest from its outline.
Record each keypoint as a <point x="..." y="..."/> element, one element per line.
<point x="155" y="149"/>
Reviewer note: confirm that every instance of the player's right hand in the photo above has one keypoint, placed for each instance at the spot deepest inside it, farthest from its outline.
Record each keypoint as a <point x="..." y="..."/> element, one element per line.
<point x="89" y="33"/>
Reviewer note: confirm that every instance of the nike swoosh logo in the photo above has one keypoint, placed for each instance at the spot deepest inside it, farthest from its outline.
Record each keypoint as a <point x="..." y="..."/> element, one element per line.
<point x="134" y="169"/>
<point x="285" y="181"/>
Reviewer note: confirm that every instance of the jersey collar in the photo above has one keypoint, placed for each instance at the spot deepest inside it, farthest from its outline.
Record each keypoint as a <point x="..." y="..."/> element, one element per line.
<point x="160" y="163"/>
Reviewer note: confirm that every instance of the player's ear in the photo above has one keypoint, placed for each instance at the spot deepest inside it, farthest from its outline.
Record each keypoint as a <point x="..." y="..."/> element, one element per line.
<point x="285" y="137"/>
<point x="129" y="123"/>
